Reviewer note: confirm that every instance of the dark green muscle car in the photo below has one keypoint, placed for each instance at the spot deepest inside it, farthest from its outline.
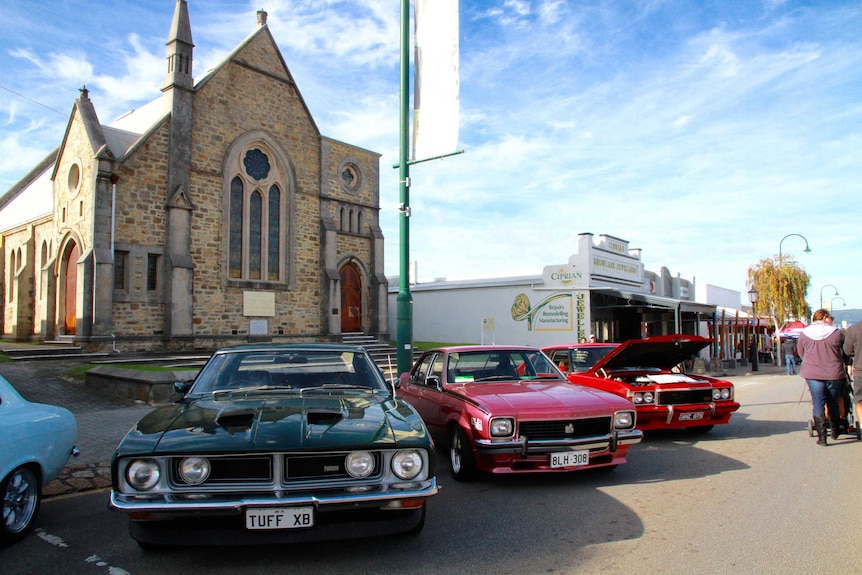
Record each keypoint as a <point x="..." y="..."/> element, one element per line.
<point x="274" y="444"/>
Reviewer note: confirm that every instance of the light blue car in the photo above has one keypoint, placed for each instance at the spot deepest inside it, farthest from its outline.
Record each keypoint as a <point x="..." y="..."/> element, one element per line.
<point x="36" y="440"/>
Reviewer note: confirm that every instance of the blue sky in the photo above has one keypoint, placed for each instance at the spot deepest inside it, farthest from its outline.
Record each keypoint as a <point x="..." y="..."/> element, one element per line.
<point x="701" y="132"/>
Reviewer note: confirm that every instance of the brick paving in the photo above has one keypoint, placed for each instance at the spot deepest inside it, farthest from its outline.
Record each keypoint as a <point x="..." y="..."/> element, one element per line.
<point x="102" y="421"/>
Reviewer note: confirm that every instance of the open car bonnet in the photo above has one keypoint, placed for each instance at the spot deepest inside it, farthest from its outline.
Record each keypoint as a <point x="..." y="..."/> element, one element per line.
<point x="662" y="352"/>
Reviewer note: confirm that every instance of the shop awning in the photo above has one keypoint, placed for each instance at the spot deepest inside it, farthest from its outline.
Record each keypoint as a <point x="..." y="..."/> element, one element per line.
<point x="693" y="307"/>
<point x="617" y="298"/>
<point x="628" y="298"/>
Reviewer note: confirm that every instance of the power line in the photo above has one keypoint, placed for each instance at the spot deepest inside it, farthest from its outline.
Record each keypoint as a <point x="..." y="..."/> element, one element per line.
<point x="32" y="100"/>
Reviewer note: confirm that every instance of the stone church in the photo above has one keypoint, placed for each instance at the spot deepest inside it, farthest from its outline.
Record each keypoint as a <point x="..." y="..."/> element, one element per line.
<point x="216" y="214"/>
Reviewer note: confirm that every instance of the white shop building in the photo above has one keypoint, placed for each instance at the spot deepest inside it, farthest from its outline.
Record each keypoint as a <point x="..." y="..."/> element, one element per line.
<point x="603" y="289"/>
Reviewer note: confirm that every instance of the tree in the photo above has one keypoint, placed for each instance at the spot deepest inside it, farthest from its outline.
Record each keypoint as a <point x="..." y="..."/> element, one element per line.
<point x="782" y="287"/>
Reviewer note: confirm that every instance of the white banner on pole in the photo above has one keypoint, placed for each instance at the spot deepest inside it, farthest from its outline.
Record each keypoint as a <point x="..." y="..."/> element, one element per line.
<point x="436" y="100"/>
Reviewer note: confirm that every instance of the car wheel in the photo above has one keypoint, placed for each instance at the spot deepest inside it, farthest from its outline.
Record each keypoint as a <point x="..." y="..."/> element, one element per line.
<point x="461" y="456"/>
<point x="699" y="429"/>
<point x="22" y="495"/>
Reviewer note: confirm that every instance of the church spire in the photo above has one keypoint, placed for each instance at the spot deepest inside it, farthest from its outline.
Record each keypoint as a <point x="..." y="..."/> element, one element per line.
<point x="180" y="47"/>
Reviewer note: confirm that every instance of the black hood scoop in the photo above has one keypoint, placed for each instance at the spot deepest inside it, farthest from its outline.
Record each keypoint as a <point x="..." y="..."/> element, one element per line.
<point x="324" y="417"/>
<point x="235" y="421"/>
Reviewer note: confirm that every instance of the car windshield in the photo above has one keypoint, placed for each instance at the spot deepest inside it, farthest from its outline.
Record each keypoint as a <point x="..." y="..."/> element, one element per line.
<point x="584" y="358"/>
<point x="497" y="365"/>
<point x="288" y="370"/>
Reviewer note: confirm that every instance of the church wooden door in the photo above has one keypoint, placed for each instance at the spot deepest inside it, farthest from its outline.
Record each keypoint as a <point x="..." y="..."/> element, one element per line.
<point x="351" y="299"/>
<point x="70" y="278"/>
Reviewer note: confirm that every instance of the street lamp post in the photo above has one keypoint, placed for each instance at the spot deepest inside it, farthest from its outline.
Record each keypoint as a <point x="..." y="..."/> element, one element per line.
<point x="780" y="269"/>
<point x="821" y="293"/>
<point x="806" y="250"/>
<point x="833" y="299"/>
<point x="752" y="297"/>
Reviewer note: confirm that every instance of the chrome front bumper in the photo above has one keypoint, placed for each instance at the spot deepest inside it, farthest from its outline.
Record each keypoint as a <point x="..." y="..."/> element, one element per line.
<point x="525" y="446"/>
<point x="225" y="502"/>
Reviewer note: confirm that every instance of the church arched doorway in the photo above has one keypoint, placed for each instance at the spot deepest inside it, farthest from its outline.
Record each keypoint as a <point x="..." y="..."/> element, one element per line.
<point x="70" y="288"/>
<point x="351" y="299"/>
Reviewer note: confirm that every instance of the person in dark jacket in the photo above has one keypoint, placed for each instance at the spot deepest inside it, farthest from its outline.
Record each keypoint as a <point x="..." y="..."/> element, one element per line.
<point x="853" y="348"/>
<point x="788" y="350"/>
<point x="820" y="347"/>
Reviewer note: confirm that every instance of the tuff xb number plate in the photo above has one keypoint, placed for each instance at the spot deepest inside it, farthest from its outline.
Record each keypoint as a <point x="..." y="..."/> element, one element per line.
<point x="279" y="517"/>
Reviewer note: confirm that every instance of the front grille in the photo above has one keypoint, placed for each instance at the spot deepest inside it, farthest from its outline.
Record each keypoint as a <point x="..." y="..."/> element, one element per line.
<point x="565" y="428"/>
<point x="264" y="471"/>
<point x="320" y="466"/>
<point x="237" y="469"/>
<point x="685" y="397"/>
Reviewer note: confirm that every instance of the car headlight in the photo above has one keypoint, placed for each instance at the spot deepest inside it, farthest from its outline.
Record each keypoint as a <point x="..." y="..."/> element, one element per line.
<point x="721" y="393"/>
<point x="502" y="427"/>
<point x="143" y="474"/>
<point x="407" y="464"/>
<point x="194" y="470"/>
<point x="643" y="397"/>
<point x="624" y="419"/>
<point x="359" y="463"/>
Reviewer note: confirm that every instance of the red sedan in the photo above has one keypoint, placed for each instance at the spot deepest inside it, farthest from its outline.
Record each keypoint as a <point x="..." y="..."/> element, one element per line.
<point x="648" y="373"/>
<point x="508" y="409"/>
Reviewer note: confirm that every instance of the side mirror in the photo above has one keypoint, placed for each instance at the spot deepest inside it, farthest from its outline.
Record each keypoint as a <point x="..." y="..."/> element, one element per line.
<point x="434" y="380"/>
<point x="182" y="387"/>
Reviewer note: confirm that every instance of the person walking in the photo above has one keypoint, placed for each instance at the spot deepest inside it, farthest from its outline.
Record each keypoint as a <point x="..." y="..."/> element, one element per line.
<point x="788" y="350"/>
<point x="820" y="348"/>
<point x="853" y="348"/>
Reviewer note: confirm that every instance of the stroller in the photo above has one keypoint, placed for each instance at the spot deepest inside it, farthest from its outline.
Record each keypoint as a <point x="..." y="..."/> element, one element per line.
<point x="848" y="425"/>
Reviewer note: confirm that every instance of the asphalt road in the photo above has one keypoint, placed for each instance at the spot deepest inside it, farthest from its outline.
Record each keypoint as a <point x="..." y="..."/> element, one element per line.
<point x="756" y="496"/>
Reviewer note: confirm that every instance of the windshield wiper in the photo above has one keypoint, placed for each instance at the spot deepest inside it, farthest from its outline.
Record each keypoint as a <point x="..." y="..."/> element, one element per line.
<point x="329" y="387"/>
<point x="252" y="389"/>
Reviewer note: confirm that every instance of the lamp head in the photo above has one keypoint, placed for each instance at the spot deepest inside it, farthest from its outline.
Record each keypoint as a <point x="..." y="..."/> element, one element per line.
<point x="753" y="295"/>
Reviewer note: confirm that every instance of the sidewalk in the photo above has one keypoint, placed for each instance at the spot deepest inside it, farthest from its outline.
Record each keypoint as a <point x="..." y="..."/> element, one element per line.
<point x="104" y="421"/>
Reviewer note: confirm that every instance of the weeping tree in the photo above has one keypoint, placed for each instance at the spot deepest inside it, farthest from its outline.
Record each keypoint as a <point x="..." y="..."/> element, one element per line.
<point x="782" y="287"/>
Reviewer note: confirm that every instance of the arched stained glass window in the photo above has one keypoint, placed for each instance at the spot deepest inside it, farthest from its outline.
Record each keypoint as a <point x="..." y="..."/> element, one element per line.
<point x="259" y="211"/>
<point x="255" y="222"/>
<point x="235" y="248"/>
<point x="274" y="234"/>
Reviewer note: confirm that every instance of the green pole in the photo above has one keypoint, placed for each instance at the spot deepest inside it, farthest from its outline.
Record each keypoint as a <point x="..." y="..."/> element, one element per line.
<point x="405" y="299"/>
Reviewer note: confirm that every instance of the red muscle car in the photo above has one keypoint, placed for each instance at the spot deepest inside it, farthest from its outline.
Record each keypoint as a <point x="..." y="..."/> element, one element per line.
<point x="508" y="409"/>
<point x="648" y="373"/>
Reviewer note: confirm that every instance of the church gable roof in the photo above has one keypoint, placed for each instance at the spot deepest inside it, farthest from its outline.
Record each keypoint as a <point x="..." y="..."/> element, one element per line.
<point x="85" y="112"/>
<point x="259" y="52"/>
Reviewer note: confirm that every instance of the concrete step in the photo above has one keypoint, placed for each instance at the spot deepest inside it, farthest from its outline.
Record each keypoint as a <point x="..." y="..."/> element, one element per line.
<point x="48" y="350"/>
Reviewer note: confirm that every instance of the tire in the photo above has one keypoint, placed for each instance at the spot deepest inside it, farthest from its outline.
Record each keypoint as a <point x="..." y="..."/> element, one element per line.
<point x="22" y="496"/>
<point x="461" y="456"/>
<point x="699" y="429"/>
